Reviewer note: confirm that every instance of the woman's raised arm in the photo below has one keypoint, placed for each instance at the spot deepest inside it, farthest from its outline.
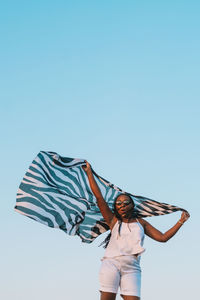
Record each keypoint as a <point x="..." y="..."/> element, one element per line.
<point x="155" y="234"/>
<point x="103" y="206"/>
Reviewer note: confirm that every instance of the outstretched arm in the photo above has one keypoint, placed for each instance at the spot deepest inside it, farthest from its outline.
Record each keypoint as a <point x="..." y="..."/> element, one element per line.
<point x="103" y="206"/>
<point x="155" y="234"/>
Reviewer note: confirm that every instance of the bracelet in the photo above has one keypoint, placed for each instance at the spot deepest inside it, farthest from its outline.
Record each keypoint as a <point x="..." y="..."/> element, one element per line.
<point x="180" y="222"/>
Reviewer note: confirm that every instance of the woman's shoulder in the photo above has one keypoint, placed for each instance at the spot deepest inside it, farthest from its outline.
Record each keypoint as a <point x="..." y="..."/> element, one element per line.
<point x="113" y="222"/>
<point x="142" y="222"/>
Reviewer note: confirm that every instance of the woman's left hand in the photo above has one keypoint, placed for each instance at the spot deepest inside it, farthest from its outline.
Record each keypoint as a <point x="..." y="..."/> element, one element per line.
<point x="184" y="216"/>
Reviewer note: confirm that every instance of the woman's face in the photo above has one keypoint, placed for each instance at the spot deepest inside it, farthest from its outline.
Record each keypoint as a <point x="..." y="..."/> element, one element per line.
<point x="124" y="205"/>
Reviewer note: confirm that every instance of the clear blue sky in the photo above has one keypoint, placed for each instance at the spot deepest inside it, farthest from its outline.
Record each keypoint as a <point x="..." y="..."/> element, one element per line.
<point x="117" y="83"/>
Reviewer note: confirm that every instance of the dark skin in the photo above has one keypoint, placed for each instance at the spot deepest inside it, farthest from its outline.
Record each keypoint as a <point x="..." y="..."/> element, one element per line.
<point x="125" y="211"/>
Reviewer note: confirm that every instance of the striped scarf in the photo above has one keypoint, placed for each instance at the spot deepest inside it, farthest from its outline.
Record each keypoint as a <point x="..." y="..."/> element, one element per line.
<point x="56" y="192"/>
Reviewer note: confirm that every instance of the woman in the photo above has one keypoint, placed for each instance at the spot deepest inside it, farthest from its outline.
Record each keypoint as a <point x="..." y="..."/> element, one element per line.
<point x="121" y="261"/>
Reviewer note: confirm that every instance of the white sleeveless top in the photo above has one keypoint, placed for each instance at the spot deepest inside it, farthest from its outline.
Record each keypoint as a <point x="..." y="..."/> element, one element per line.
<point x="128" y="242"/>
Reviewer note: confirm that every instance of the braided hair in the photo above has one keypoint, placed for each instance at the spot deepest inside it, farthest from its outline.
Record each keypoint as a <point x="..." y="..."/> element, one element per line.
<point x="117" y="215"/>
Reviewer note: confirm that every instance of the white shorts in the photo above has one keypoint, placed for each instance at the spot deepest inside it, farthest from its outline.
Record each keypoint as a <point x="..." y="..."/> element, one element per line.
<point x="123" y="271"/>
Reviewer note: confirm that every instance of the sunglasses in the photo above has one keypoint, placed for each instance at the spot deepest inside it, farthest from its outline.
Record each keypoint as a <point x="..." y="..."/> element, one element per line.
<point x="126" y="202"/>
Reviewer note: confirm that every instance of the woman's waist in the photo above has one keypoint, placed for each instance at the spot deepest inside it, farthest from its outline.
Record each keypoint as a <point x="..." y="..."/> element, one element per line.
<point x="127" y="247"/>
<point x="123" y="251"/>
<point x="124" y="258"/>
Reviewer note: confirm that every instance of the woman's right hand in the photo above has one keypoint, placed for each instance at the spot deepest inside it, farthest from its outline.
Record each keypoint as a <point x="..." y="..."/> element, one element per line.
<point x="87" y="167"/>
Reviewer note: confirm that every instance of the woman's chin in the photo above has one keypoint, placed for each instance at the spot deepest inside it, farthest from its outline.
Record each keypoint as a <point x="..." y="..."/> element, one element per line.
<point x="125" y="215"/>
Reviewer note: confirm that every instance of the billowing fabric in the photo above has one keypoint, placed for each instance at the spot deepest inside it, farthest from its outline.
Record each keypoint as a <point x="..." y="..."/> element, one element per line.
<point x="55" y="191"/>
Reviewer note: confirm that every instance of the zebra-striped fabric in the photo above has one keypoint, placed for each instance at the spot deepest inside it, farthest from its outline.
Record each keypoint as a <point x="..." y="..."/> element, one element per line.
<point x="55" y="191"/>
